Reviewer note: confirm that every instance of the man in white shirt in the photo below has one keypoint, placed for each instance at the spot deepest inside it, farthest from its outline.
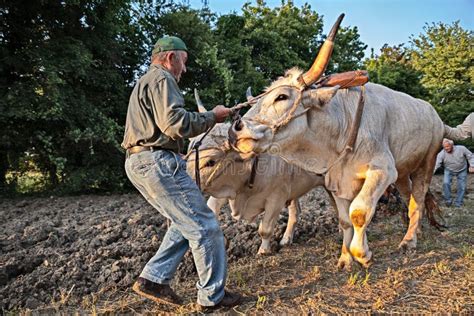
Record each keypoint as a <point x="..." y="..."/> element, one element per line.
<point x="454" y="158"/>
<point x="462" y="131"/>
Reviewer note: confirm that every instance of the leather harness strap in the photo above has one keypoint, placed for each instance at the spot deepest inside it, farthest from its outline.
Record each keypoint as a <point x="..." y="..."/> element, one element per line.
<point x="196" y="146"/>
<point x="349" y="147"/>
<point x="253" y="172"/>
<point x="356" y="124"/>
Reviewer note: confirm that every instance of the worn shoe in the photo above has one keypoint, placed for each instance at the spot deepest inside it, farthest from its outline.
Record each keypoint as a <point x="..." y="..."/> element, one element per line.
<point x="229" y="300"/>
<point x="160" y="293"/>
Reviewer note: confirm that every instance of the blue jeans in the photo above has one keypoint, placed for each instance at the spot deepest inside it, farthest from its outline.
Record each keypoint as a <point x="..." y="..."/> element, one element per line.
<point x="461" y="185"/>
<point x="161" y="178"/>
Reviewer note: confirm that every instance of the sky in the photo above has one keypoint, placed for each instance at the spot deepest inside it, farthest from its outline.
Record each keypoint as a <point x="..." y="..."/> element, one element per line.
<point x="378" y="21"/>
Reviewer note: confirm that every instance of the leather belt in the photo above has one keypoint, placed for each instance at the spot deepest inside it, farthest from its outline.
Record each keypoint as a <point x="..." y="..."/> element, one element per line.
<point x="138" y="149"/>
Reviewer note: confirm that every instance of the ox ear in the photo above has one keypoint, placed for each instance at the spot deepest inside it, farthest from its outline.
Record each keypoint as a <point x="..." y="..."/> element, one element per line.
<point x="319" y="97"/>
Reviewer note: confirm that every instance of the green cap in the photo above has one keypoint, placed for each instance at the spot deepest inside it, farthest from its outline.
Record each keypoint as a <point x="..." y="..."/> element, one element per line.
<point x="167" y="43"/>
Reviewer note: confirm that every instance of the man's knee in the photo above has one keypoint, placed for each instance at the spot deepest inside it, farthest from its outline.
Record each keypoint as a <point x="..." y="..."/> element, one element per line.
<point x="213" y="229"/>
<point x="209" y="229"/>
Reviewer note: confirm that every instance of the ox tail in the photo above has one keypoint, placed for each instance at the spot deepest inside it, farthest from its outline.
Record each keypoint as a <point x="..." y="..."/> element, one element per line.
<point x="432" y="212"/>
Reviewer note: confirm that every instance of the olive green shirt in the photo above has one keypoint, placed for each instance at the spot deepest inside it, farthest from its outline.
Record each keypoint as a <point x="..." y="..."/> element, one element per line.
<point x="156" y="114"/>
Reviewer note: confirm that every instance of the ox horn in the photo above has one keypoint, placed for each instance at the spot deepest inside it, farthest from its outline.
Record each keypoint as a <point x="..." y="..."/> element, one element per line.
<point x="322" y="60"/>
<point x="201" y="107"/>
<point x="248" y="94"/>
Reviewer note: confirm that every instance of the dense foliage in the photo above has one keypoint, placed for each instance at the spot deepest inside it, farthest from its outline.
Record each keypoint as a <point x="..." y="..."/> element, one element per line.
<point x="393" y="69"/>
<point x="67" y="69"/>
<point x="445" y="56"/>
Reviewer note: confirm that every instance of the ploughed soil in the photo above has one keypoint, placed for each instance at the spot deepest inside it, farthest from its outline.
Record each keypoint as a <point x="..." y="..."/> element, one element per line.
<point x="83" y="253"/>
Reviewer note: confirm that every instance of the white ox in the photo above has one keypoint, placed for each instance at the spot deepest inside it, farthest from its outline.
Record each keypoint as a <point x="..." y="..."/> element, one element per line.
<point x="226" y="177"/>
<point x="308" y="125"/>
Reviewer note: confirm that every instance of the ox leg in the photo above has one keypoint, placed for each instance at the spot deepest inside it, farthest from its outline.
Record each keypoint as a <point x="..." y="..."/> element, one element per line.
<point x="403" y="186"/>
<point x="332" y="201"/>
<point x="363" y="206"/>
<point x="216" y="204"/>
<point x="415" y="209"/>
<point x="294" y="210"/>
<point x="342" y="208"/>
<point x="420" y="184"/>
<point x="267" y="225"/>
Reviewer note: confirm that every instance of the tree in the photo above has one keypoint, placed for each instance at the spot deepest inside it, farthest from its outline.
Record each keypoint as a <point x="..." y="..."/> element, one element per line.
<point x="65" y="82"/>
<point x="289" y="36"/>
<point x="393" y="69"/>
<point x="282" y="37"/>
<point x="348" y="51"/>
<point x="237" y="56"/>
<point x="444" y="54"/>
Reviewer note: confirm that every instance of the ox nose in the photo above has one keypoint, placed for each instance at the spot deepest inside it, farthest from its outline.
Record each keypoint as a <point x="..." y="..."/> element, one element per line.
<point x="241" y="129"/>
<point x="234" y="129"/>
<point x="238" y="125"/>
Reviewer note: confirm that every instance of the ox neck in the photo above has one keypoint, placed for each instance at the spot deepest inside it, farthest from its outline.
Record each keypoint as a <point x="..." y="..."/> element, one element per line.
<point x="328" y="137"/>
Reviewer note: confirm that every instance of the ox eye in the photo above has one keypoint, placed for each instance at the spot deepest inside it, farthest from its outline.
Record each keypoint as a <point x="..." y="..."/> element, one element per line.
<point x="210" y="163"/>
<point x="281" y="97"/>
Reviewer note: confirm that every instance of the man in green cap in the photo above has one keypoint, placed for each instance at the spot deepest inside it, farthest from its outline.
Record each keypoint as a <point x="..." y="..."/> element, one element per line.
<point x="155" y="127"/>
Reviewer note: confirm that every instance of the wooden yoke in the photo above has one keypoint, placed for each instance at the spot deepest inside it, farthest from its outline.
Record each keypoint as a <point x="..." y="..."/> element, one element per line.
<point x="346" y="79"/>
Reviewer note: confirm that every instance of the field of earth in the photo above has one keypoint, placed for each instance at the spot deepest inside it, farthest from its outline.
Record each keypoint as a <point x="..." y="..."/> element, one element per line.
<point x="81" y="254"/>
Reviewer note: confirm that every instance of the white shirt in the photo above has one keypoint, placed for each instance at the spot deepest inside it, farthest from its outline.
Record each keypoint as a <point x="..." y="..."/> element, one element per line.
<point x="456" y="160"/>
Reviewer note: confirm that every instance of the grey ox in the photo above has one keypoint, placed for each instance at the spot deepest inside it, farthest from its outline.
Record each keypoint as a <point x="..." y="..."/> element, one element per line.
<point x="226" y="176"/>
<point x="309" y="126"/>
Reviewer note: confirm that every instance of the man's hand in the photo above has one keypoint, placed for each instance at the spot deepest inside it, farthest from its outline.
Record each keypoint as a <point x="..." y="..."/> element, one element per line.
<point x="471" y="169"/>
<point x="221" y="113"/>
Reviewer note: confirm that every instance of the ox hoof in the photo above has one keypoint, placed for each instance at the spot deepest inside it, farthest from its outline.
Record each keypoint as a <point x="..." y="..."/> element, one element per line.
<point x="264" y="252"/>
<point x="367" y="264"/>
<point x="286" y="241"/>
<point x="345" y="263"/>
<point x="366" y="261"/>
<point x="407" y="245"/>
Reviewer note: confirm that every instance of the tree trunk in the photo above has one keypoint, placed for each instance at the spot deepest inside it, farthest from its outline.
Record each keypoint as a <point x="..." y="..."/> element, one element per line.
<point x="3" y="170"/>
<point x="53" y="177"/>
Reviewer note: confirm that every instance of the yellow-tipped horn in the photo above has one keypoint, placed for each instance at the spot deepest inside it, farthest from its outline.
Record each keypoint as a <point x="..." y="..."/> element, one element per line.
<point x="322" y="60"/>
